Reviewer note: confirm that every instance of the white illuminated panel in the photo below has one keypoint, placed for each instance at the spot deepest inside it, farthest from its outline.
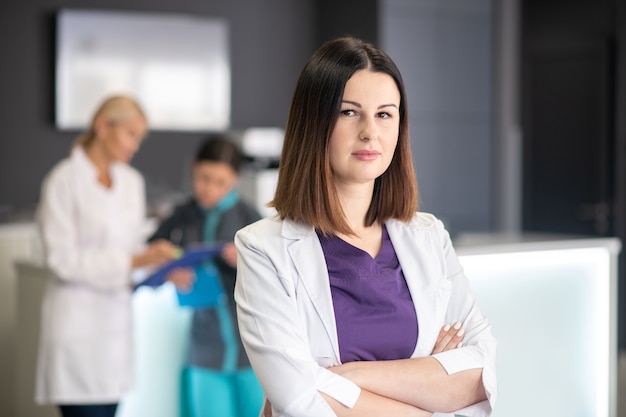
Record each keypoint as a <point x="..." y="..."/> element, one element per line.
<point x="263" y="142"/>
<point x="176" y="65"/>
<point x="553" y="311"/>
<point x="258" y="187"/>
<point x="161" y="336"/>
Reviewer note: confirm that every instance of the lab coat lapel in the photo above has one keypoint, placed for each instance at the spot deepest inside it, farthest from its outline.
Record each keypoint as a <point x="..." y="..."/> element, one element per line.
<point x="308" y="259"/>
<point x="415" y="249"/>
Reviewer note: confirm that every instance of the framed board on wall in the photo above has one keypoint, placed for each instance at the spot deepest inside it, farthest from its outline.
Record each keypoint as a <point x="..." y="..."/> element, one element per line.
<point x="176" y="65"/>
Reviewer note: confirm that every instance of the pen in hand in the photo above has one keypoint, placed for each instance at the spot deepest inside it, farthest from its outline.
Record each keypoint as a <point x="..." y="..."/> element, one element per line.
<point x="176" y="237"/>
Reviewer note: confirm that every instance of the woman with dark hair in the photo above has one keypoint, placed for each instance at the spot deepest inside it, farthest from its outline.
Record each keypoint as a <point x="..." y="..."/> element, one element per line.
<point x="218" y="380"/>
<point x="350" y="301"/>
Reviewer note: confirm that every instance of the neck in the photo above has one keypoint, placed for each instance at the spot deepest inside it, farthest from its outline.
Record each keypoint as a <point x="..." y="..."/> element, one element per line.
<point x="355" y="201"/>
<point x="100" y="161"/>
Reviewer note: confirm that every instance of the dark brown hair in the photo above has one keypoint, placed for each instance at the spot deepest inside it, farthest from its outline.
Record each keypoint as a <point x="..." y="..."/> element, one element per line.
<point x="305" y="191"/>
<point x="220" y="148"/>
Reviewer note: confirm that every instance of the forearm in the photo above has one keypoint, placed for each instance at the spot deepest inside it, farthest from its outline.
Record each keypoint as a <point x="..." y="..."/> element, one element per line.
<point x="421" y="382"/>
<point x="106" y="268"/>
<point x="374" y="405"/>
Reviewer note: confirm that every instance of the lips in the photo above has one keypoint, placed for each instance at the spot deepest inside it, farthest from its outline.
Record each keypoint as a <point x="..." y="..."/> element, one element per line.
<point x="366" y="155"/>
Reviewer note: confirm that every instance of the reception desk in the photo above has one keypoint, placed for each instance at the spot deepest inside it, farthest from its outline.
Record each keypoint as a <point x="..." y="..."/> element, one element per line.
<point x="553" y="307"/>
<point x="552" y="304"/>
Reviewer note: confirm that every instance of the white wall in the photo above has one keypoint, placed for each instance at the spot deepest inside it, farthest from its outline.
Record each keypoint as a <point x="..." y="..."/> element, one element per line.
<point x="553" y="308"/>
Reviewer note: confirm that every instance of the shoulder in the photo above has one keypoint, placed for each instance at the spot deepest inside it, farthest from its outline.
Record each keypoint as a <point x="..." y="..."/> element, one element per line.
<point x="247" y="211"/>
<point x="424" y="237"/>
<point x="63" y="167"/>
<point x="272" y="240"/>
<point x="187" y="206"/>
<point x="421" y="226"/>
<point x="187" y="211"/>
<point x="284" y="228"/>
<point x="268" y="226"/>
<point x="273" y="235"/>
<point x="419" y="221"/>
<point x="262" y="236"/>
<point x="61" y="173"/>
<point x="69" y="171"/>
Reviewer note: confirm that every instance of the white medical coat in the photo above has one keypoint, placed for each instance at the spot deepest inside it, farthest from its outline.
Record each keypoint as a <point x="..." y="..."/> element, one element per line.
<point x="89" y="234"/>
<point x="287" y="323"/>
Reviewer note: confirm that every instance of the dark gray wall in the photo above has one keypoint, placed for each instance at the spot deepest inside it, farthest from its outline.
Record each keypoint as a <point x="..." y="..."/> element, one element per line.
<point x="270" y="40"/>
<point x="348" y="17"/>
<point x="444" y="50"/>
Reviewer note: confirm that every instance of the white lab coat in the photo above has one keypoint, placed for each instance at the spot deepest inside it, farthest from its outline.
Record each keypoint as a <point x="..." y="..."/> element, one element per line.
<point x="89" y="234"/>
<point x="287" y="322"/>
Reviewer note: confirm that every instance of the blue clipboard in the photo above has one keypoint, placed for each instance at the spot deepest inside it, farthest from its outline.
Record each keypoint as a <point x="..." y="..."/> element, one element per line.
<point x="192" y="257"/>
<point x="206" y="291"/>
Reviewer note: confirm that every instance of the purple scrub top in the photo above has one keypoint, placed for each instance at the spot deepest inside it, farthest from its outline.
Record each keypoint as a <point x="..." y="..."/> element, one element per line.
<point x="374" y="312"/>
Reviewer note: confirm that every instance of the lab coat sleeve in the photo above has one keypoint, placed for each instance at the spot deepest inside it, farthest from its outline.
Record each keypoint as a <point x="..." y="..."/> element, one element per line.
<point x="273" y="333"/>
<point x="102" y="267"/>
<point x="479" y="346"/>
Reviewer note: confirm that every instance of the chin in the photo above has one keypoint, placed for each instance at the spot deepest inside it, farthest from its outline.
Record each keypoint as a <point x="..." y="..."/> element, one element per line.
<point x="206" y="205"/>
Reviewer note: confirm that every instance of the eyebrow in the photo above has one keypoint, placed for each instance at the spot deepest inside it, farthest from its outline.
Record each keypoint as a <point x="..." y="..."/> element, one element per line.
<point x="354" y="103"/>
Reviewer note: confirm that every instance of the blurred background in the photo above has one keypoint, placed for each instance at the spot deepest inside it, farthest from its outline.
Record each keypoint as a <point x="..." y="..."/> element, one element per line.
<point x="518" y="109"/>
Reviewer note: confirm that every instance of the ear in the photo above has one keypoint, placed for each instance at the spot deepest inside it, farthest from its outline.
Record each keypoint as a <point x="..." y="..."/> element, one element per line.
<point x="100" y="126"/>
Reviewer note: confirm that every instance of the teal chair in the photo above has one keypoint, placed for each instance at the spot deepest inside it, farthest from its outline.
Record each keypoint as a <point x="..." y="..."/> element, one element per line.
<point x="210" y="393"/>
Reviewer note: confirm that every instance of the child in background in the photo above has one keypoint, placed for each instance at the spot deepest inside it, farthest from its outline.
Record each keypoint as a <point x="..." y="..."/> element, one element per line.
<point x="218" y="380"/>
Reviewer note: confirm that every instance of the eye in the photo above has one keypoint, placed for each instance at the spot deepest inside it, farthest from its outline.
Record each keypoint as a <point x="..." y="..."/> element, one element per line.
<point x="136" y="135"/>
<point x="348" y="112"/>
<point x="384" y="115"/>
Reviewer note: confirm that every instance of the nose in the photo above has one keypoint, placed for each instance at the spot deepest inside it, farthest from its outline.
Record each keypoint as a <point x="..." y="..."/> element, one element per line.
<point x="368" y="129"/>
<point x="133" y="147"/>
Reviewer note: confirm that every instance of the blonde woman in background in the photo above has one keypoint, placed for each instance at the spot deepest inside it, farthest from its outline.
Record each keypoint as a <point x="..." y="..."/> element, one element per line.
<point x="91" y="213"/>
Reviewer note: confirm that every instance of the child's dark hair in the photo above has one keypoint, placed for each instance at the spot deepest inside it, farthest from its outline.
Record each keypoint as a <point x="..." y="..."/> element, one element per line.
<point x="220" y="148"/>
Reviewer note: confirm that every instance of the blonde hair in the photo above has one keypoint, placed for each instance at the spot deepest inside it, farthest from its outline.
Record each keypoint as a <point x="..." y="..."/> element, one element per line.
<point x="115" y="109"/>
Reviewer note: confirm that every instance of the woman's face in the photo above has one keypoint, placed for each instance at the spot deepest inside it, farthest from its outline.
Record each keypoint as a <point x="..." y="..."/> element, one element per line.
<point x="212" y="181"/>
<point x="120" y="140"/>
<point x="365" y="135"/>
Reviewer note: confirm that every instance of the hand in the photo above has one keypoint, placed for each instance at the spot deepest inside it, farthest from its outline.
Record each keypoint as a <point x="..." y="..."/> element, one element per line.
<point x="267" y="409"/>
<point x="450" y="337"/>
<point x="229" y="254"/>
<point x="182" y="278"/>
<point x="157" y="253"/>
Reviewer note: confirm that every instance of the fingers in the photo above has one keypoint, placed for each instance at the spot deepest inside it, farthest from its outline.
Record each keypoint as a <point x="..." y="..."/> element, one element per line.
<point x="450" y="337"/>
<point x="164" y="248"/>
<point x="155" y="254"/>
<point x="267" y="410"/>
<point x="161" y="251"/>
<point x="229" y="254"/>
<point x="182" y="278"/>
